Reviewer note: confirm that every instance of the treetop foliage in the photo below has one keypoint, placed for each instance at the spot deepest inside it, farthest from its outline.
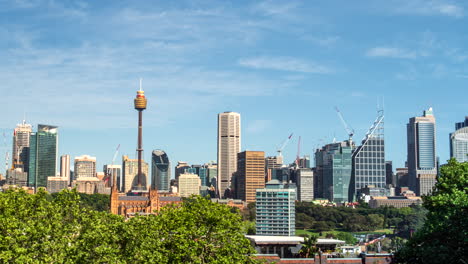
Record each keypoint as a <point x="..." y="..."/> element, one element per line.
<point x="37" y="229"/>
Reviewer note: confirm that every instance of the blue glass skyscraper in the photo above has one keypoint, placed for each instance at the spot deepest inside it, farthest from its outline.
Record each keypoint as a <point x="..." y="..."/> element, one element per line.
<point x="160" y="171"/>
<point x="422" y="160"/>
<point x="459" y="142"/>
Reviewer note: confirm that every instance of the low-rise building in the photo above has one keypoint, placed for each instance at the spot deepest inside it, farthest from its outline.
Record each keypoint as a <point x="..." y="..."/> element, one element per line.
<point x="395" y="201"/>
<point x="56" y="184"/>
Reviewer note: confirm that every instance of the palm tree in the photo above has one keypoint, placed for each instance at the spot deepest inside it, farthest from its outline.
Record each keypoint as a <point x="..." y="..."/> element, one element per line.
<point x="308" y="246"/>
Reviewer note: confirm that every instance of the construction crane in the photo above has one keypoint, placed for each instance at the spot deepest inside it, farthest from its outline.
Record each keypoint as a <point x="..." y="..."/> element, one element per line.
<point x="285" y="142"/>
<point x="298" y="155"/>
<point x="110" y="169"/>
<point x="349" y="130"/>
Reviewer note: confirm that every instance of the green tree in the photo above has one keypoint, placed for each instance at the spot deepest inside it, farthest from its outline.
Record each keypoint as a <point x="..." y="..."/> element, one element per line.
<point x="375" y="221"/>
<point x="444" y="236"/>
<point x="348" y="237"/>
<point x="38" y="229"/>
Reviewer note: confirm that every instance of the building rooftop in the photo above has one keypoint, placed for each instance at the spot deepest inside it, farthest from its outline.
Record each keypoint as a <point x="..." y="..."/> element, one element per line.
<point x="293" y="240"/>
<point x="170" y="198"/>
<point x="133" y="198"/>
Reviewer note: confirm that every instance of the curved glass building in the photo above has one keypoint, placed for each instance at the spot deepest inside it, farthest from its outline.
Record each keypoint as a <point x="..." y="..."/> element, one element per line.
<point x="459" y="142"/>
<point x="160" y="171"/>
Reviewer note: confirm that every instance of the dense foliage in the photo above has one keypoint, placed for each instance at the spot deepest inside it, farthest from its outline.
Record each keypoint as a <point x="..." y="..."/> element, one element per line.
<point x="320" y="218"/>
<point x="444" y="236"/>
<point x="38" y="229"/>
<point x="98" y="202"/>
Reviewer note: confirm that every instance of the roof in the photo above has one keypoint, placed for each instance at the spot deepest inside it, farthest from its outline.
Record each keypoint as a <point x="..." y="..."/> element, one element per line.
<point x="293" y="240"/>
<point x="170" y="199"/>
<point x="133" y="198"/>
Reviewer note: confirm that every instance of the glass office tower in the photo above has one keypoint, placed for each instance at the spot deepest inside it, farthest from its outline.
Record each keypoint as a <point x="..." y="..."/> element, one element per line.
<point x="459" y="142"/>
<point x="369" y="160"/>
<point x="160" y="171"/>
<point x="42" y="155"/>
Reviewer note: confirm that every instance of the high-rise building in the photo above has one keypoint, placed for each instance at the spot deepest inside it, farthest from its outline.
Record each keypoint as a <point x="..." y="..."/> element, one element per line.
<point x="212" y="169"/>
<point x="42" y="155"/>
<point x="130" y="171"/>
<point x="271" y="164"/>
<point x="304" y="162"/>
<point x="334" y="166"/>
<point x="422" y="160"/>
<point x="189" y="184"/>
<point x="369" y="159"/>
<point x="459" y="141"/>
<point x="250" y="174"/>
<point x="202" y="172"/>
<point x="181" y="167"/>
<point x="65" y="167"/>
<point x="20" y="152"/>
<point x="275" y="210"/>
<point x="402" y="177"/>
<point x="160" y="171"/>
<point x="85" y="166"/>
<point x="305" y="184"/>
<point x="112" y="170"/>
<point x="389" y="175"/>
<point x="229" y="144"/>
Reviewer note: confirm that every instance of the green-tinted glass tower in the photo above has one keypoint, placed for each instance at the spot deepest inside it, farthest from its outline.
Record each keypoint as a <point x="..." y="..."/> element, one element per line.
<point x="335" y="162"/>
<point x="42" y="155"/>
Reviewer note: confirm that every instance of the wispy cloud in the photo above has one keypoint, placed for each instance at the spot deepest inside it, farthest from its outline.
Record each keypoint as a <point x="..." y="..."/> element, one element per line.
<point x="258" y="126"/>
<point x="429" y="7"/>
<point x="284" y="64"/>
<point x="390" y="52"/>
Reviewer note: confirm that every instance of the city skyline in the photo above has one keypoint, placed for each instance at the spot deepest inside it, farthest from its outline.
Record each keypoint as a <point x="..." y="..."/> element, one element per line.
<point x="269" y="61"/>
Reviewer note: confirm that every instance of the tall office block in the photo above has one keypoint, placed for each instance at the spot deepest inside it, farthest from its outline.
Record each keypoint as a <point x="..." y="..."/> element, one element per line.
<point x="369" y="160"/>
<point x="305" y="184"/>
<point x="181" y="167"/>
<point x="334" y="166"/>
<point x="212" y="169"/>
<point x="271" y="164"/>
<point x="42" y="155"/>
<point x="229" y="144"/>
<point x="422" y="160"/>
<point x="130" y="171"/>
<point x="250" y="174"/>
<point x="203" y="174"/>
<point x="112" y="170"/>
<point x="160" y="171"/>
<point x="189" y="184"/>
<point x="20" y="154"/>
<point x="65" y="167"/>
<point x="85" y="166"/>
<point x="459" y="141"/>
<point x="304" y="162"/>
<point x="389" y="175"/>
<point x="275" y="210"/>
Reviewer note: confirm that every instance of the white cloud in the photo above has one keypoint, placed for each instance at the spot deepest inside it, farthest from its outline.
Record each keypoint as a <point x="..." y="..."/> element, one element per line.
<point x="284" y="64"/>
<point x="390" y="52"/>
<point x="429" y="7"/>
<point x="258" y="126"/>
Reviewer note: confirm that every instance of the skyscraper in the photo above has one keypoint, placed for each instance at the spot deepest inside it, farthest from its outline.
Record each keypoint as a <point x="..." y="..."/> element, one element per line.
<point x="21" y="146"/>
<point x="369" y="159"/>
<point x="229" y="144"/>
<point x="250" y="174"/>
<point x="189" y="184"/>
<point x="334" y="164"/>
<point x="85" y="166"/>
<point x="141" y="179"/>
<point x="459" y="141"/>
<point x="130" y="171"/>
<point x="422" y="161"/>
<point x="181" y="167"/>
<point x="42" y="155"/>
<point x="305" y="184"/>
<point x="160" y="171"/>
<point x="65" y="167"/>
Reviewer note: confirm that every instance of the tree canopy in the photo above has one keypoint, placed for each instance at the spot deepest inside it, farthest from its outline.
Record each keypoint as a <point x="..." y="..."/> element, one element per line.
<point x="38" y="229"/>
<point x="444" y="236"/>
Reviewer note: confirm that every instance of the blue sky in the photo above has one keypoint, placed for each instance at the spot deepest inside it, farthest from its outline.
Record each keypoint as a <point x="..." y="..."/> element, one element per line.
<point x="284" y="65"/>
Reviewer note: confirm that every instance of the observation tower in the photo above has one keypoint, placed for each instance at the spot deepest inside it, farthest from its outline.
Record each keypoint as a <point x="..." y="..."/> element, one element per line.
<point x="140" y="105"/>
